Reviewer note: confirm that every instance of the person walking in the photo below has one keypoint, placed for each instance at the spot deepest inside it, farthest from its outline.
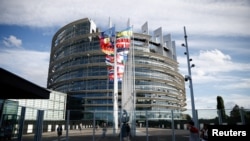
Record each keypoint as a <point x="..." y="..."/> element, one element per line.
<point x="8" y="131"/>
<point x="104" y="130"/>
<point x="204" y="134"/>
<point x="59" y="132"/>
<point x="2" y="134"/>
<point x="194" y="132"/>
<point x="128" y="131"/>
<point x="80" y="127"/>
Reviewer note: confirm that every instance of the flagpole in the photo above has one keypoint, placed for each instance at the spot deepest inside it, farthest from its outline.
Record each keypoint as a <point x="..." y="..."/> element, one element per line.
<point x="115" y="95"/>
<point x="133" y="86"/>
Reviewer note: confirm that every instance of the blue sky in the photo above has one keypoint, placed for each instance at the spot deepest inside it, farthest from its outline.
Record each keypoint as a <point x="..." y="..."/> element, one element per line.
<point x="218" y="38"/>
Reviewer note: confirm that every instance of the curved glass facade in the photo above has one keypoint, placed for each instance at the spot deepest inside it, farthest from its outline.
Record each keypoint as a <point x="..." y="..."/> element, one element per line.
<point x="77" y="67"/>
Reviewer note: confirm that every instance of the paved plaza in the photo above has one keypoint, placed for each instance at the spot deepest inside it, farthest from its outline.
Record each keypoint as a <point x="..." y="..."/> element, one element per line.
<point x="88" y="134"/>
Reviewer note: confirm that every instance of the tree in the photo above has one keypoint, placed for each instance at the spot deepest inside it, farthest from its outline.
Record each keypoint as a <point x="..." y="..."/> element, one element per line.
<point x="221" y="107"/>
<point x="235" y="113"/>
<point x="235" y="116"/>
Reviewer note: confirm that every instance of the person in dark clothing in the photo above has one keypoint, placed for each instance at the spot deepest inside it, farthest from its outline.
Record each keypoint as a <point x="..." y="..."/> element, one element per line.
<point x="59" y="132"/>
<point x="128" y="130"/>
<point x="104" y="130"/>
<point x="8" y="131"/>
<point x="2" y="134"/>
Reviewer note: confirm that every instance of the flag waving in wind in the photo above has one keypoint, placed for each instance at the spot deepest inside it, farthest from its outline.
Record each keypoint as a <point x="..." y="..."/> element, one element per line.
<point x="123" y="41"/>
<point x="125" y="33"/>
<point x="107" y="41"/>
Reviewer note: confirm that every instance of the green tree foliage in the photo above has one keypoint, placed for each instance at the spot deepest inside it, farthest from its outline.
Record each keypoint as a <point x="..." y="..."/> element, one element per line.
<point x="221" y="107"/>
<point x="235" y="113"/>
<point x="247" y="116"/>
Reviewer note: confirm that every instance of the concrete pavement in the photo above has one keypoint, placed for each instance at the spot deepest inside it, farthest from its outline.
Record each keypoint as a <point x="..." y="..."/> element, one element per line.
<point x="88" y="134"/>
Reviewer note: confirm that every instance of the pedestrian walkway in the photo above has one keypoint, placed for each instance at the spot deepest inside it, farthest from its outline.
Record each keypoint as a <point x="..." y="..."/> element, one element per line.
<point x="88" y="134"/>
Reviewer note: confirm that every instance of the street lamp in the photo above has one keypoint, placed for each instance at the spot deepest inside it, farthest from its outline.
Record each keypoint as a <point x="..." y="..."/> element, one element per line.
<point x="189" y="78"/>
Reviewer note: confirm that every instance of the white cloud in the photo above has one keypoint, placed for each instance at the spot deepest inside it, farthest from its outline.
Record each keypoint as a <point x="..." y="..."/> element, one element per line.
<point x="30" y="65"/>
<point x="216" y="73"/>
<point x="213" y="66"/>
<point x="239" y="99"/>
<point x="241" y="84"/>
<point x="207" y="17"/>
<point x="232" y="45"/>
<point x="12" y="41"/>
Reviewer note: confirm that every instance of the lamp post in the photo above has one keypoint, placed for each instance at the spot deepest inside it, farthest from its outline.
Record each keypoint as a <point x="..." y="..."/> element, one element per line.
<point x="189" y="77"/>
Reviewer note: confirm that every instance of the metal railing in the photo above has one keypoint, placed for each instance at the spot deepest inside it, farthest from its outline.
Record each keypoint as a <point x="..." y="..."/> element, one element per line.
<point x="98" y="125"/>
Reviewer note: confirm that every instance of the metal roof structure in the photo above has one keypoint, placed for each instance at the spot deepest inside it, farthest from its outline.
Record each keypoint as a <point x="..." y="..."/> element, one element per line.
<point x="15" y="87"/>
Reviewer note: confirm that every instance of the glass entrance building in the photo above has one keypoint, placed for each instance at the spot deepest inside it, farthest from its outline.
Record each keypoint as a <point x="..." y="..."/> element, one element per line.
<point x="77" y="67"/>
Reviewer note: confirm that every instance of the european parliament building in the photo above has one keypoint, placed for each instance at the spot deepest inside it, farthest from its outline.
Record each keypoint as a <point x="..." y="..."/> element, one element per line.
<point x="77" y="67"/>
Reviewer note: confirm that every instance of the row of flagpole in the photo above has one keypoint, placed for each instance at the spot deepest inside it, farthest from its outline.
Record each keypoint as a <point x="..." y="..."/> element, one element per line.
<point x="109" y="46"/>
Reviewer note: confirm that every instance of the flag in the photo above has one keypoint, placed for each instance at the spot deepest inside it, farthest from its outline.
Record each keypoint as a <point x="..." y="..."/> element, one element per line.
<point x="120" y="68"/>
<point x="107" y="41"/>
<point x="109" y="32"/>
<point x="120" y="72"/>
<point x="125" y="33"/>
<point x="119" y="76"/>
<point x="106" y="46"/>
<point x="109" y="60"/>
<point x="119" y="58"/>
<point x="122" y="44"/>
